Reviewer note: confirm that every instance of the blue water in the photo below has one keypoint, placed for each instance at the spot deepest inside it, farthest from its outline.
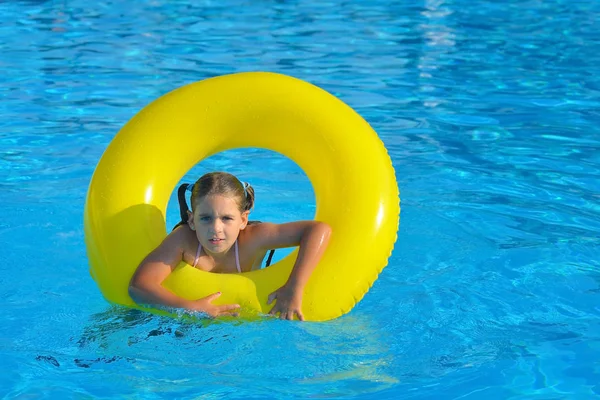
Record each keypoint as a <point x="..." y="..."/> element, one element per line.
<point x="489" y="110"/>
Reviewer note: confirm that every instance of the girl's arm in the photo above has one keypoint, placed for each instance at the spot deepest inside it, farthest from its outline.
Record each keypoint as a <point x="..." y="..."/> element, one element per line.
<point x="146" y="287"/>
<point x="312" y="238"/>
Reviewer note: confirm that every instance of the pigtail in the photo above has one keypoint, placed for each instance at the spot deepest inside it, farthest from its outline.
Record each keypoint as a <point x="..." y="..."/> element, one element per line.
<point x="183" y="206"/>
<point x="249" y="195"/>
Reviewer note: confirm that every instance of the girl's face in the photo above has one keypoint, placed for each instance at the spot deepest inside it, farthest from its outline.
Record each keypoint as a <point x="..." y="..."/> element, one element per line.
<point x="217" y="221"/>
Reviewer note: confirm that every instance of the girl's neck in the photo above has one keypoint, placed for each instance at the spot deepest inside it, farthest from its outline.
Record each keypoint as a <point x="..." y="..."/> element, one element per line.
<point x="220" y="258"/>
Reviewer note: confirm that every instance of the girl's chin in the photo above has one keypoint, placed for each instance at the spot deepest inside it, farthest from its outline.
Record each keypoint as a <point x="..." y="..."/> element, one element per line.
<point x="216" y="244"/>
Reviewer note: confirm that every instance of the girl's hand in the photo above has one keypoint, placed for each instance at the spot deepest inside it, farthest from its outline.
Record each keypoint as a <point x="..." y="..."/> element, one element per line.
<point x="289" y="302"/>
<point x="205" y="305"/>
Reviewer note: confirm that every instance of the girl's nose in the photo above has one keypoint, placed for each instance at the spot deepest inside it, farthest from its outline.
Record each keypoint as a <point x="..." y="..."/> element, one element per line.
<point x="217" y="225"/>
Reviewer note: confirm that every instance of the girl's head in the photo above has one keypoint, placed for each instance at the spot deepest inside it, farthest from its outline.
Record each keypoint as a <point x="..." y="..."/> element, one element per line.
<point x="220" y="208"/>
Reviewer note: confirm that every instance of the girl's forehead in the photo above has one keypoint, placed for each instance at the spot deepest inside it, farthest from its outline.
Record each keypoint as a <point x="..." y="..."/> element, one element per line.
<point x="217" y="202"/>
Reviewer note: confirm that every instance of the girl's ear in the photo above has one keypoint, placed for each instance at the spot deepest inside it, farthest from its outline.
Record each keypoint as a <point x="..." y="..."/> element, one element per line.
<point x="190" y="220"/>
<point x="244" y="219"/>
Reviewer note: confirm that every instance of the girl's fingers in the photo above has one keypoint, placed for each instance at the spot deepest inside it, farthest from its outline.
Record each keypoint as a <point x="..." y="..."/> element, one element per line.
<point x="231" y="314"/>
<point x="289" y="315"/>
<point x="212" y="297"/>
<point x="227" y="307"/>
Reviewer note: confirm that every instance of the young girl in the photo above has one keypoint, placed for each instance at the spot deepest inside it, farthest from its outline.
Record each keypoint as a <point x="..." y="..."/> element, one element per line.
<point x="218" y="238"/>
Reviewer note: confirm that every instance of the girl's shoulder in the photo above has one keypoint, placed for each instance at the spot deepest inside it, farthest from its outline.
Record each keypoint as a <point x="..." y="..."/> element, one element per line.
<point x="273" y="236"/>
<point x="258" y="227"/>
<point x="269" y="235"/>
<point x="254" y="232"/>
<point x="182" y="238"/>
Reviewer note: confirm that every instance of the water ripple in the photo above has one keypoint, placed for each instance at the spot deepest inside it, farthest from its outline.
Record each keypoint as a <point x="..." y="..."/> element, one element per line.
<point x="489" y="113"/>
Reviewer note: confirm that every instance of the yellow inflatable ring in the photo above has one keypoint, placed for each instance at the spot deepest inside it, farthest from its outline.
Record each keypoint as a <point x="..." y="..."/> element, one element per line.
<point x="346" y="162"/>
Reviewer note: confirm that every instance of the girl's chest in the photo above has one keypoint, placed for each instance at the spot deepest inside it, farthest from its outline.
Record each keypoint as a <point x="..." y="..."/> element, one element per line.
<point x="225" y="266"/>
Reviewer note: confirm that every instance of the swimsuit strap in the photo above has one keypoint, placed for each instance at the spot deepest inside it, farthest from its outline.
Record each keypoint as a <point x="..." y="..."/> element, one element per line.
<point x="198" y="254"/>
<point x="237" y="258"/>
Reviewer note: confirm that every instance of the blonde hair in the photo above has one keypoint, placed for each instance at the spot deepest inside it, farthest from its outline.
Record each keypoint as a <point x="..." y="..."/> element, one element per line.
<point x="223" y="183"/>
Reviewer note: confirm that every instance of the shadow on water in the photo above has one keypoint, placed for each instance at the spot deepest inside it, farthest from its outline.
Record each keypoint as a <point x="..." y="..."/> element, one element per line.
<point x="139" y="325"/>
<point x="349" y="355"/>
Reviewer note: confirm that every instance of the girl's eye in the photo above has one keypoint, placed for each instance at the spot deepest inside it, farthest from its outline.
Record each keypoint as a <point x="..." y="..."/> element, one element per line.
<point x="204" y="219"/>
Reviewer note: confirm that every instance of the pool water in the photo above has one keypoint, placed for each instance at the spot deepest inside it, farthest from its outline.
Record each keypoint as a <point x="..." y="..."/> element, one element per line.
<point x="489" y="111"/>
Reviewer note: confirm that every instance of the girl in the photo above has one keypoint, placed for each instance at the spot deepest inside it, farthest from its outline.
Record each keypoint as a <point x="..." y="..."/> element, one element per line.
<point x="218" y="238"/>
